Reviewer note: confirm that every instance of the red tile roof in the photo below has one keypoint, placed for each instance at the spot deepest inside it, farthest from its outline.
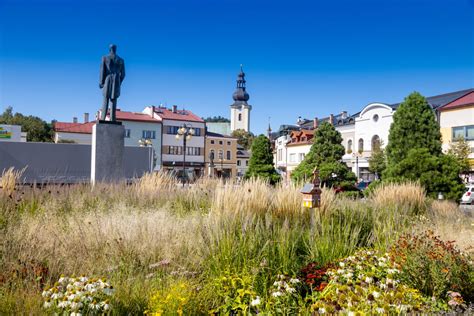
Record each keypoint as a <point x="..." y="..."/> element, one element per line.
<point x="180" y="115"/>
<point x="80" y="128"/>
<point x="468" y="99"/>
<point x="135" y="116"/>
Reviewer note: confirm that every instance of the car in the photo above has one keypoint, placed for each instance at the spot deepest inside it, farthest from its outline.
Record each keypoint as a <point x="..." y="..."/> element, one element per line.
<point x="362" y="185"/>
<point x="468" y="196"/>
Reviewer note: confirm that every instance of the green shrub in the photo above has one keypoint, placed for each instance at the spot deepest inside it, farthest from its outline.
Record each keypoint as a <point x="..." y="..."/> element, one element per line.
<point x="434" y="266"/>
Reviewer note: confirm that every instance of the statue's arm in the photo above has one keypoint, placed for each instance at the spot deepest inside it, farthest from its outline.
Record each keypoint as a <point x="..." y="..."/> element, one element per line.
<point x="102" y="74"/>
<point x="122" y="74"/>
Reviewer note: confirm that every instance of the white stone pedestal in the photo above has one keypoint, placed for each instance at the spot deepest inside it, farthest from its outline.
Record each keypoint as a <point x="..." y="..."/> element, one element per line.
<point x="107" y="152"/>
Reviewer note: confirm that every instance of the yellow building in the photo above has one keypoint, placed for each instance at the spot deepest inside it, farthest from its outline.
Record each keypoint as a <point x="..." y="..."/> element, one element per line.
<point x="220" y="155"/>
<point x="456" y="119"/>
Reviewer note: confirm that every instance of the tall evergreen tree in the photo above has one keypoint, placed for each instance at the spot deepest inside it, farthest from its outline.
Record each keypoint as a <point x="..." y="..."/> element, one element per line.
<point x="326" y="155"/>
<point x="414" y="150"/>
<point x="261" y="161"/>
<point x="414" y="126"/>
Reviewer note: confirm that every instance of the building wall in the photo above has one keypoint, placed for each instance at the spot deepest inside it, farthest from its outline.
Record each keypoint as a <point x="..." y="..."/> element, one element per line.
<point x="244" y="123"/>
<point x="170" y="140"/>
<point x="82" y="139"/>
<point x="219" y="128"/>
<point x="457" y="117"/>
<point x="223" y="144"/>
<point x="296" y="154"/>
<point x="136" y="134"/>
<point x="242" y="166"/>
<point x="10" y="133"/>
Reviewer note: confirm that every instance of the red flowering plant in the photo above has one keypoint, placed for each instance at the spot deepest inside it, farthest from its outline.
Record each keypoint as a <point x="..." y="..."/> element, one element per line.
<point x="433" y="266"/>
<point x="315" y="276"/>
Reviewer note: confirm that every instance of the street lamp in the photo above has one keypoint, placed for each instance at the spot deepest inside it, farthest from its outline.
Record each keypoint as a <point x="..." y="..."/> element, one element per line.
<point x="357" y="155"/>
<point x="186" y="132"/>
<point x="145" y="142"/>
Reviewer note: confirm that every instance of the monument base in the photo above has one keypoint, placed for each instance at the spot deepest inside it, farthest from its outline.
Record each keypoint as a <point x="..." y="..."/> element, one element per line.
<point x="107" y="152"/>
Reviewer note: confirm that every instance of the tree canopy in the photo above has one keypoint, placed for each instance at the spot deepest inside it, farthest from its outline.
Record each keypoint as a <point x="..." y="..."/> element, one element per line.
<point x="216" y="119"/>
<point x="261" y="161"/>
<point x="244" y="138"/>
<point x="326" y="155"/>
<point x="37" y="130"/>
<point x="414" y="150"/>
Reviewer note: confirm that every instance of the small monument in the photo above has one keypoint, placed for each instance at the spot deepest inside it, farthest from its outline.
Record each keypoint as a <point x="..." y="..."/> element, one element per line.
<point x="108" y="136"/>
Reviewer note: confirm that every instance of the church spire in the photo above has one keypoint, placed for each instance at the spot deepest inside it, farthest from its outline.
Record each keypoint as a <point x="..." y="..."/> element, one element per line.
<point x="240" y="95"/>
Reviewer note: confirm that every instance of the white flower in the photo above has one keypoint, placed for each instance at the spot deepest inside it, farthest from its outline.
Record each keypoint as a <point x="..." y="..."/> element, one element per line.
<point x="290" y="290"/>
<point x="56" y="296"/>
<point x="47" y="304"/>
<point x="108" y="291"/>
<point x="69" y="287"/>
<point x="83" y="279"/>
<point x="277" y="283"/>
<point x="46" y="294"/>
<point x="256" y="301"/>
<point x="277" y="293"/>
<point x="322" y="310"/>
<point x="380" y="310"/>
<point x="376" y="294"/>
<point x="106" y="307"/>
<point x="63" y="280"/>
<point x="64" y="304"/>
<point x="348" y="275"/>
<point x="281" y="276"/>
<point x="340" y="271"/>
<point x="383" y="286"/>
<point x="76" y="314"/>
<point x="369" y="280"/>
<point x="341" y="264"/>
<point x="294" y="281"/>
<point x="350" y="313"/>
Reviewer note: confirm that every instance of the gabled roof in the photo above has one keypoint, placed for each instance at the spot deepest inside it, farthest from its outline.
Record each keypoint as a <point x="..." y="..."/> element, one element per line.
<point x="79" y="128"/>
<point x="135" y="116"/>
<point x="441" y="100"/>
<point x="179" y="115"/>
<point x="467" y="99"/>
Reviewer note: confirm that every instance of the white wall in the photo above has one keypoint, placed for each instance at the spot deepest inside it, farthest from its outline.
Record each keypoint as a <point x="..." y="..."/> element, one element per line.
<point x="83" y="139"/>
<point x="234" y="118"/>
<point x="136" y="132"/>
<point x="195" y="141"/>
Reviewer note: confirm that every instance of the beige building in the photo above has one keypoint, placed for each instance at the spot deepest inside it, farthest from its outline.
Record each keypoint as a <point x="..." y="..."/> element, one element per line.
<point x="456" y="119"/>
<point x="220" y="156"/>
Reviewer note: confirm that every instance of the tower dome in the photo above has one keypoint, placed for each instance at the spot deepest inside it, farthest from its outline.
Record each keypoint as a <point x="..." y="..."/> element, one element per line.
<point x="240" y="94"/>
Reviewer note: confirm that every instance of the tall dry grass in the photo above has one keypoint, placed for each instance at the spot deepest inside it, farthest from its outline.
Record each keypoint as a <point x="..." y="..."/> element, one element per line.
<point x="9" y="179"/>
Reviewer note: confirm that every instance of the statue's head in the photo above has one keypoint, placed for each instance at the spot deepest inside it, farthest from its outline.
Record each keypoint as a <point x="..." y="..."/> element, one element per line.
<point x="113" y="48"/>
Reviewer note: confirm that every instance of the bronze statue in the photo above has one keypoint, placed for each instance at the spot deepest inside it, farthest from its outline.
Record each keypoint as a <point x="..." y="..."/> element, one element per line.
<point x="112" y="73"/>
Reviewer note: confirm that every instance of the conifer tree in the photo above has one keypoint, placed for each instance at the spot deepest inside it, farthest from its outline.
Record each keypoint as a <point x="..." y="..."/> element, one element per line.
<point x="326" y="155"/>
<point x="261" y="161"/>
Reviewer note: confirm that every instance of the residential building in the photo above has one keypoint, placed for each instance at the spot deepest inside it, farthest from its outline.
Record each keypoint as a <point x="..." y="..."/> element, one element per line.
<point x="240" y="109"/>
<point x="456" y="120"/>
<point x="298" y="147"/>
<point x="138" y="127"/>
<point x="220" y="156"/>
<point x="11" y="133"/>
<point x="279" y="140"/>
<point x="173" y="156"/>
<point x="243" y="157"/>
<point x="219" y="128"/>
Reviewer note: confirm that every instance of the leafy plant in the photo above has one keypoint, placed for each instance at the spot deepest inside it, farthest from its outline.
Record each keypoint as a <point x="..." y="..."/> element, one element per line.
<point x="172" y="300"/>
<point x="261" y="161"/>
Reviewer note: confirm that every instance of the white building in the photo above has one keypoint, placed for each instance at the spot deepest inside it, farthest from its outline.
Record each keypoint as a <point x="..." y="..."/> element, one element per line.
<point x="243" y="157"/>
<point x="172" y="153"/>
<point x="11" y="133"/>
<point x="240" y="109"/>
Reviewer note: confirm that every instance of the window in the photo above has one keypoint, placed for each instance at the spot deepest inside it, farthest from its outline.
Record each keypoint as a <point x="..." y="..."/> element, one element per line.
<point x="127" y="133"/>
<point x="361" y="145"/>
<point x="238" y="162"/>
<point x="197" y="132"/>
<point x="228" y="155"/>
<point x="303" y="139"/>
<point x="280" y="155"/>
<point x="173" y="130"/>
<point x="246" y="163"/>
<point x="349" y="146"/>
<point x="212" y="155"/>
<point x="375" y="142"/>
<point x="240" y="117"/>
<point x="466" y="132"/>
<point x="301" y="156"/>
<point x="212" y="141"/>
<point x="175" y="150"/>
<point x="221" y="155"/>
<point x="375" y="117"/>
<point x="228" y="142"/>
<point x="220" y="142"/>
<point x="292" y="157"/>
<point x="193" y="151"/>
<point x="149" y="134"/>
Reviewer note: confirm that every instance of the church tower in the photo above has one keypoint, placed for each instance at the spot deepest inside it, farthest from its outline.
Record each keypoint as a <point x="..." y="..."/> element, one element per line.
<point x="240" y="110"/>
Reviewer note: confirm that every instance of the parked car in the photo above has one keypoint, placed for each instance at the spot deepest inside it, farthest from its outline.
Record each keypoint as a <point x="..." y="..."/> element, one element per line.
<point x="362" y="185"/>
<point x="468" y="196"/>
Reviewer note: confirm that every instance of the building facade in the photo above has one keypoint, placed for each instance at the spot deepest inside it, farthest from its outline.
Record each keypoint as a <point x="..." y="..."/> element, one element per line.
<point x="456" y="120"/>
<point x="11" y="133"/>
<point x="173" y="156"/>
<point x="220" y="156"/>
<point x="243" y="157"/>
<point x="240" y="109"/>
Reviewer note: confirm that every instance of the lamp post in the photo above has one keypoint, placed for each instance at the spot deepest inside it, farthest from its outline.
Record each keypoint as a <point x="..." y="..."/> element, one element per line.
<point x="186" y="132"/>
<point x="221" y="158"/>
<point x="357" y="155"/>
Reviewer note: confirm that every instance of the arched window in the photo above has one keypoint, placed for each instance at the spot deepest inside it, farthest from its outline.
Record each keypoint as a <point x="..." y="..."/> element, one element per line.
<point x="240" y="116"/>
<point x="349" y="146"/>
<point x="361" y="145"/>
<point x="375" y="142"/>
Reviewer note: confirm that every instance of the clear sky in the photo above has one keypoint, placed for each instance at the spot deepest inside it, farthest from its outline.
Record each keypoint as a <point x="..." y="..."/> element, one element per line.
<point x="302" y="58"/>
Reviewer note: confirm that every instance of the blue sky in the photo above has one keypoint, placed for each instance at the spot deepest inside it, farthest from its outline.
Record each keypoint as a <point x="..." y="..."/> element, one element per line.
<point x="302" y="58"/>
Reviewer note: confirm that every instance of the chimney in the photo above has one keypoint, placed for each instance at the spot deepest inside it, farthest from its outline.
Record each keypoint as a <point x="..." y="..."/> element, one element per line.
<point x="86" y="117"/>
<point x="344" y="115"/>
<point x="331" y="119"/>
<point x="315" y="123"/>
<point x="74" y="119"/>
<point x="175" y="108"/>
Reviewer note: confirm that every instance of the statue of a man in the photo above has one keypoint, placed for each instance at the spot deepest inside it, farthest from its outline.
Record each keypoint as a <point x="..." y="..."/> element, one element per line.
<point x="112" y="73"/>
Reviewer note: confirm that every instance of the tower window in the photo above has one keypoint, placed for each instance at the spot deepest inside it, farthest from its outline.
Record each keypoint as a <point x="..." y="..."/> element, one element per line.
<point x="240" y="116"/>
